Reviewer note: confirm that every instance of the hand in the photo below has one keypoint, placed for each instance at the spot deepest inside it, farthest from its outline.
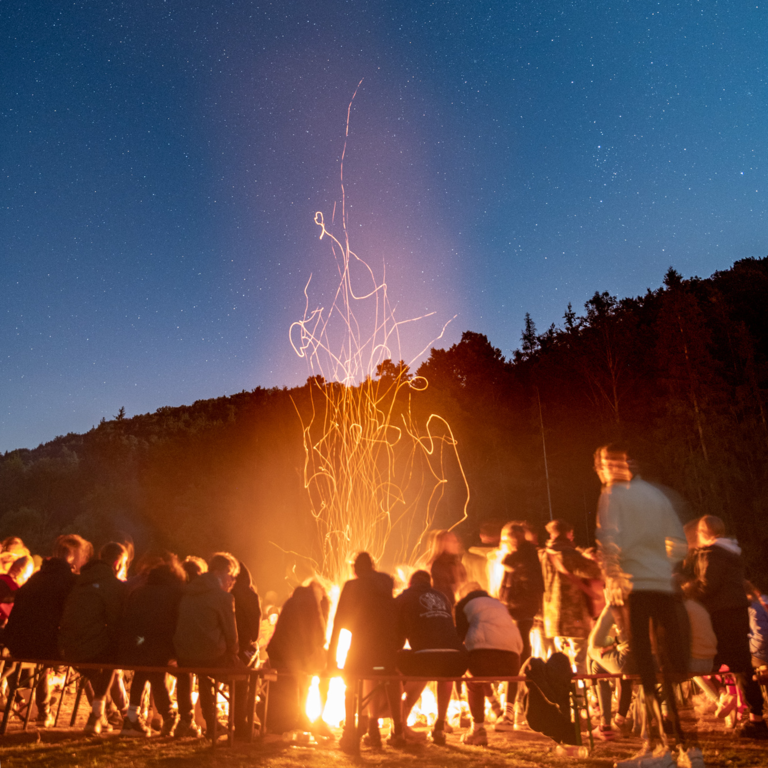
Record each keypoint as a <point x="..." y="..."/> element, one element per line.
<point x="615" y="590"/>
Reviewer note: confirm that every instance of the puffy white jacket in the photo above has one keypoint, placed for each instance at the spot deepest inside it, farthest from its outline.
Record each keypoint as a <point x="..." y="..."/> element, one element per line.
<point x="484" y="622"/>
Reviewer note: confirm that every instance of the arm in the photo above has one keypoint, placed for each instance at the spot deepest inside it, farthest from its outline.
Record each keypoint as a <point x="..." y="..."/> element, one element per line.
<point x="229" y="626"/>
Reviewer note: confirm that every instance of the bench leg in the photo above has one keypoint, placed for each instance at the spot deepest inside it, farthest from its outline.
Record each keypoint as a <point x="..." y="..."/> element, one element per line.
<point x="13" y="684"/>
<point x="82" y="681"/>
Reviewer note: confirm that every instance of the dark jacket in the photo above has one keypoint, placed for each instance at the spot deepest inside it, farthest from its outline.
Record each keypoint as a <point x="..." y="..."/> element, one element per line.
<point x="366" y="608"/>
<point x="425" y="620"/>
<point x="206" y="630"/>
<point x="720" y="577"/>
<point x="91" y="621"/>
<point x="523" y="584"/>
<point x="298" y="642"/>
<point x="149" y="619"/>
<point x="33" y="627"/>
<point x="247" y="613"/>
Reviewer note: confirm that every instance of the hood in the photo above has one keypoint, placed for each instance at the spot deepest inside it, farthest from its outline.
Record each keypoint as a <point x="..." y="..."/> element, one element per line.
<point x="243" y="582"/>
<point x="205" y="582"/>
<point x="729" y="545"/>
<point x="95" y="570"/>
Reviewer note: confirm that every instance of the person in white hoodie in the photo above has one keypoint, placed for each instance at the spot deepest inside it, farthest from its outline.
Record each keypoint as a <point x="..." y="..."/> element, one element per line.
<point x="641" y="538"/>
<point x="719" y="586"/>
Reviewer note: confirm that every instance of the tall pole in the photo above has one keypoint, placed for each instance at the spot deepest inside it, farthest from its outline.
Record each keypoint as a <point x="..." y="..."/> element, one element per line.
<point x="544" y="448"/>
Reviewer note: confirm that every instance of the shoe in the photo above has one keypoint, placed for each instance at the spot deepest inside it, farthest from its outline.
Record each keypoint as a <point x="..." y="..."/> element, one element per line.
<point x="134" y="728"/>
<point x="634" y="762"/>
<point x="621" y="725"/>
<point x="45" y="719"/>
<point x="349" y="744"/>
<point x="372" y="740"/>
<point x="505" y="723"/>
<point x="187" y="729"/>
<point x="726" y="705"/>
<point x="413" y="737"/>
<point x="114" y="718"/>
<point x="169" y="723"/>
<point x="448" y="728"/>
<point x="477" y="738"/>
<point x="754" y="729"/>
<point x="690" y="758"/>
<point x="438" y="737"/>
<point x="604" y="732"/>
<point x="397" y="741"/>
<point x="96" y="725"/>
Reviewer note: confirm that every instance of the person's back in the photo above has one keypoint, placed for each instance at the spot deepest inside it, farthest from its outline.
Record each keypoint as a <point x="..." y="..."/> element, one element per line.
<point x="33" y="626"/>
<point x="90" y="621"/>
<point x="425" y="619"/>
<point x="149" y="618"/>
<point x="206" y="628"/>
<point x="298" y="641"/>
<point x="247" y="614"/>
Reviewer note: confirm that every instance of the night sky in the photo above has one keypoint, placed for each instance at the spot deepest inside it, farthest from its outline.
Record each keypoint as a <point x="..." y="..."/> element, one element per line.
<point x="161" y="163"/>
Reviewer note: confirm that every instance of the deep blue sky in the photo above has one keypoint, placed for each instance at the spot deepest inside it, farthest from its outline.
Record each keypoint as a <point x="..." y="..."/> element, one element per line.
<point x="161" y="163"/>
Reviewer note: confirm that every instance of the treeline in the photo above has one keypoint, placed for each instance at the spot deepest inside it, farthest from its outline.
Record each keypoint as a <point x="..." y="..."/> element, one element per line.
<point x="681" y="372"/>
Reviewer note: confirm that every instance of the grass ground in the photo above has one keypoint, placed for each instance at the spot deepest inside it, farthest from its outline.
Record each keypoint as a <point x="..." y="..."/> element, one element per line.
<point x="60" y="747"/>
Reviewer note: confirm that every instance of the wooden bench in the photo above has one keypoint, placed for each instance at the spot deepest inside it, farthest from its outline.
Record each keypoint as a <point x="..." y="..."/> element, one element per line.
<point x="229" y="676"/>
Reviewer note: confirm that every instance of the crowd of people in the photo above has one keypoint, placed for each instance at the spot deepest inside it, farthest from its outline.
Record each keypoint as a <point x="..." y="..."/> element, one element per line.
<point x="654" y="596"/>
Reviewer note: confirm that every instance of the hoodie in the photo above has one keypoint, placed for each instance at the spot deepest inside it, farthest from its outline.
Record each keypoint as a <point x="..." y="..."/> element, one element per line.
<point x="720" y="576"/>
<point x="206" y="631"/>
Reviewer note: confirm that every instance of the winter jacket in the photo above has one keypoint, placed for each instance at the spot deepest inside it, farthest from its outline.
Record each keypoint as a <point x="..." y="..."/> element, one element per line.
<point x="424" y="619"/>
<point x="366" y="608"/>
<point x="566" y="613"/>
<point x="758" y="630"/>
<point x="91" y="621"/>
<point x="640" y="535"/>
<point x="247" y="613"/>
<point x="149" y="619"/>
<point x="483" y="622"/>
<point x="206" y="630"/>
<point x="297" y="644"/>
<point x="522" y="585"/>
<point x="720" y="577"/>
<point x="33" y="627"/>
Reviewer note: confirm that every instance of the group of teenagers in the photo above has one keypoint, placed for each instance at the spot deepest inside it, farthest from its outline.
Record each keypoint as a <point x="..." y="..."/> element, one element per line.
<point x="655" y="599"/>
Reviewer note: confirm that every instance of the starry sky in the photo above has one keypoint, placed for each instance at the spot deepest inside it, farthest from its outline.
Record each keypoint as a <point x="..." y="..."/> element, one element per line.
<point x="161" y="163"/>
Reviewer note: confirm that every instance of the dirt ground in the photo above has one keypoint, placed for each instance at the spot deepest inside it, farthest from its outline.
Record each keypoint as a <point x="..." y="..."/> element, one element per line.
<point x="68" y="747"/>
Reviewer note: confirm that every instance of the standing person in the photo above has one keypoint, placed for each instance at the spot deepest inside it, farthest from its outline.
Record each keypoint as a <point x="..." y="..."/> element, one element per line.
<point x="566" y="612"/>
<point x="33" y="626"/>
<point x="641" y="539"/>
<point x="522" y="589"/>
<point x="297" y="651"/>
<point x="366" y="609"/>
<point x="146" y="639"/>
<point x="447" y="570"/>
<point x="90" y="625"/>
<point x="424" y="619"/>
<point x="494" y="644"/>
<point x="206" y="636"/>
<point x="247" y="616"/>
<point x="719" y="585"/>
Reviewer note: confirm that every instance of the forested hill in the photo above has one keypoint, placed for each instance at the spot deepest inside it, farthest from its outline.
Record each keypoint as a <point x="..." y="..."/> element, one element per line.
<point x="682" y="372"/>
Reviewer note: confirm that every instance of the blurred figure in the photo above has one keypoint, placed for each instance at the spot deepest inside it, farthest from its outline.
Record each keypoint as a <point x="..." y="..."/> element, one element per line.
<point x="32" y="631"/>
<point x="479" y="561"/>
<point x="424" y="619"/>
<point x="18" y="574"/>
<point x="719" y="586"/>
<point x="297" y="651"/>
<point x="566" y="612"/>
<point x="90" y="625"/>
<point x="12" y="549"/>
<point x="447" y="570"/>
<point x="146" y="639"/>
<point x="641" y="538"/>
<point x="522" y="589"/>
<point x="494" y="644"/>
<point x="366" y="609"/>
<point x="194" y="566"/>
<point x="758" y="625"/>
<point x="247" y="616"/>
<point x="206" y="636"/>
